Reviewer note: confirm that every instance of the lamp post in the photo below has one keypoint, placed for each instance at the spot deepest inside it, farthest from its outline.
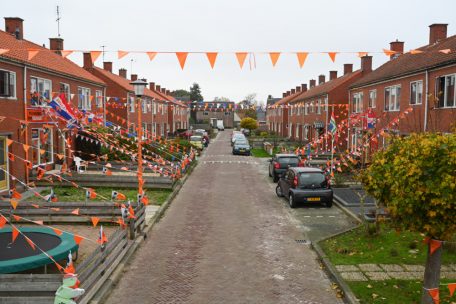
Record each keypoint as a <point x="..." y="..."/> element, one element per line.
<point x="139" y="86"/>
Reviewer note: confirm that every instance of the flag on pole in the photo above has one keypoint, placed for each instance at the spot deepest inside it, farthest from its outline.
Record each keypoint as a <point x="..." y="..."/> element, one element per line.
<point x="332" y="125"/>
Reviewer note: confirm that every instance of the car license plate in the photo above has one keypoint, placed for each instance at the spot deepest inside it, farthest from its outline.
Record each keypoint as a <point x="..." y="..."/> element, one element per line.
<point x="313" y="199"/>
<point x="242" y="150"/>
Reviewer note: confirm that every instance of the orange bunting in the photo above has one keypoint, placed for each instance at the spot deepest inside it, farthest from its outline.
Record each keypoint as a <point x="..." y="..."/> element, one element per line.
<point x="55" y="209"/>
<point x="57" y="231"/>
<point x="182" y="57"/>
<point x="211" y="57"/>
<point x="445" y="51"/>
<point x="60" y="156"/>
<point x="151" y="55"/>
<point x="59" y="267"/>
<point x="95" y="55"/>
<point x="274" y="57"/>
<point x="9" y="141"/>
<point x="35" y="206"/>
<point x="389" y="52"/>
<point x="302" y="56"/>
<point x="414" y="52"/>
<point x="451" y="288"/>
<point x="14" y="233"/>
<point x="434" y="245"/>
<point x="17" y="218"/>
<point x="26" y="148"/>
<point x="435" y="294"/>
<point x="3" y="51"/>
<point x="121" y="54"/>
<point x="241" y="58"/>
<point x="2" y="221"/>
<point x="16" y="194"/>
<point x="95" y="220"/>
<point x="30" y="243"/>
<point x="69" y="268"/>
<point x="145" y="201"/>
<point x="77" y="239"/>
<point x="75" y="211"/>
<point x="332" y="55"/>
<point x="14" y="203"/>
<point x="39" y="222"/>
<point x="31" y="54"/>
<point x="66" y="53"/>
<point x="362" y="54"/>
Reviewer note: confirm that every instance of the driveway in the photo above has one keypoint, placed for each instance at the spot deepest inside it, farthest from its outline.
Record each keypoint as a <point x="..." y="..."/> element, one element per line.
<point x="226" y="238"/>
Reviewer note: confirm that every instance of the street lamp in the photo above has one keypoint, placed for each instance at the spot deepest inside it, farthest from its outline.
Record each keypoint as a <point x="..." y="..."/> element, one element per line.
<point x="138" y="87"/>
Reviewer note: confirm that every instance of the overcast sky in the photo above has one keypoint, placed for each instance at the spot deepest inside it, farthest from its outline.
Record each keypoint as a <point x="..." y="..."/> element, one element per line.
<point x="230" y="26"/>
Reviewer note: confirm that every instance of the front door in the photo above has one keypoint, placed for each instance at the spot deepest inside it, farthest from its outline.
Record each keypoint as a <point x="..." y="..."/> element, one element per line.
<point x="3" y="164"/>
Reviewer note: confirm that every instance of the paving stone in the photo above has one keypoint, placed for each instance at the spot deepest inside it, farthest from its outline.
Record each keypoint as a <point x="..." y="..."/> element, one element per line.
<point x="448" y="275"/>
<point x="413" y="267"/>
<point x="391" y="267"/>
<point x="345" y="268"/>
<point x="377" y="276"/>
<point x="353" y="276"/>
<point x="405" y="275"/>
<point x="369" y="267"/>
<point x="446" y="268"/>
<point x="453" y="266"/>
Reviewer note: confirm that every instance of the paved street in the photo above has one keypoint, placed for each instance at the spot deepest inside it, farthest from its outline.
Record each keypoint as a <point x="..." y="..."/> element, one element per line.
<point x="227" y="238"/>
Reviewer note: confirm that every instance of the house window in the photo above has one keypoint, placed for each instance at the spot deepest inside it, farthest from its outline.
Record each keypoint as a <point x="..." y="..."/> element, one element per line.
<point x="373" y="99"/>
<point x="205" y="113"/>
<point x="131" y="104"/>
<point x="41" y="90"/>
<point x="84" y="102"/>
<point x="144" y="105"/>
<point x="227" y="113"/>
<point x="358" y="102"/>
<point x="154" y="109"/>
<point x="99" y="98"/>
<point x="392" y="98"/>
<point x="416" y="92"/>
<point x="65" y="89"/>
<point x="7" y="84"/>
<point x="312" y="107"/>
<point x="306" y="109"/>
<point x="44" y="149"/>
<point x="446" y="91"/>
<point x="319" y="106"/>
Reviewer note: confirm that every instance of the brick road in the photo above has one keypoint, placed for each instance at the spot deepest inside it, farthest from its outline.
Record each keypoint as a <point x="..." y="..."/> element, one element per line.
<point x="225" y="239"/>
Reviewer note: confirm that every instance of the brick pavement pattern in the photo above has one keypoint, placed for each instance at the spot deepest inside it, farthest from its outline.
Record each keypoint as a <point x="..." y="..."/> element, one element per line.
<point x="226" y="238"/>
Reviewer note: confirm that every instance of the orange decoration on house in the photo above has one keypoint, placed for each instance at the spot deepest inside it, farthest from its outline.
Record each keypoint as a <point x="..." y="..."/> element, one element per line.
<point x="241" y="58"/>
<point x="14" y="203"/>
<point x="31" y="54"/>
<point x="95" y="220"/>
<point x="182" y="57"/>
<point x="121" y="54"/>
<point x="151" y="55"/>
<point x="274" y="57"/>
<point x="302" y="56"/>
<point x="332" y="55"/>
<point x="95" y="55"/>
<point x="212" y="57"/>
<point x="77" y="239"/>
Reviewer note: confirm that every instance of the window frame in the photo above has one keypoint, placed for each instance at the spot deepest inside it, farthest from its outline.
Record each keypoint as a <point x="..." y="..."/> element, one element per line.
<point x="396" y="101"/>
<point x="437" y="93"/>
<point x="85" y="103"/>
<point x="416" y="92"/>
<point x="66" y="90"/>
<point x="358" y="102"/>
<point x="372" y="102"/>
<point x="9" y="84"/>
<point x="40" y="96"/>
<point x="38" y="148"/>
<point x="99" y="98"/>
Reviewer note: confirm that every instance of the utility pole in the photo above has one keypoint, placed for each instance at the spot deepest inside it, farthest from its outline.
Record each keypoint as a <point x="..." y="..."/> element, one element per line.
<point x="103" y="52"/>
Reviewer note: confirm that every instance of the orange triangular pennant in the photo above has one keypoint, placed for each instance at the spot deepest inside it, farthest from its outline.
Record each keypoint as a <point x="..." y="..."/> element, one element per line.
<point x="26" y="148"/>
<point x="451" y="288"/>
<point x="14" y="233"/>
<point x="66" y="53"/>
<point x="39" y="222"/>
<point x="413" y="52"/>
<point x="55" y="209"/>
<point x="2" y="221"/>
<point x="212" y="57"/>
<point x="95" y="55"/>
<point x="9" y="141"/>
<point x="445" y="51"/>
<point x="16" y="194"/>
<point x="121" y="54"/>
<point x="77" y="239"/>
<point x="30" y="243"/>
<point x="435" y="294"/>
<point x="59" y="267"/>
<point x="389" y="52"/>
<point x="362" y="54"/>
<point x="274" y="57"/>
<point x="434" y="245"/>
<point x="95" y="220"/>
<point x="241" y="58"/>
<point x="35" y="206"/>
<point x="3" y="51"/>
<point x="32" y="53"/>
<point x="302" y="56"/>
<point x="14" y="203"/>
<point x="17" y="218"/>
<point x="151" y="55"/>
<point x="57" y="231"/>
<point x="332" y="55"/>
<point x="75" y="211"/>
<point x="182" y="57"/>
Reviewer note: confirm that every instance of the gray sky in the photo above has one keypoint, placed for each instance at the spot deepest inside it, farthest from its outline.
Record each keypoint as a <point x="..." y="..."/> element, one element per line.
<point x="230" y="26"/>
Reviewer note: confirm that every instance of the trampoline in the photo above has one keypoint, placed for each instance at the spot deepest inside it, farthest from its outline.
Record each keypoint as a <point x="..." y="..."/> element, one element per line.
<point x="20" y="256"/>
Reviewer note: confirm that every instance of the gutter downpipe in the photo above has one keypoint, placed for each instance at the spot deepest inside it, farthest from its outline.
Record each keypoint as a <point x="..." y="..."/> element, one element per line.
<point x="26" y="123"/>
<point x="426" y="101"/>
<point x="348" y="121"/>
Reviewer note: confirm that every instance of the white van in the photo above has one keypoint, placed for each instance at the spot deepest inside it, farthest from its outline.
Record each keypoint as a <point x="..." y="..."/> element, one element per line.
<point x="220" y="126"/>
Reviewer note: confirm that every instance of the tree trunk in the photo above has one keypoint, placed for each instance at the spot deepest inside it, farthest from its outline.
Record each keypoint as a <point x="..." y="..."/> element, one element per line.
<point x="431" y="273"/>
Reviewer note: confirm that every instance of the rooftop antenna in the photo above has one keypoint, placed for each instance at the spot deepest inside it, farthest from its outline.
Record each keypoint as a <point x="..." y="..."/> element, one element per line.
<point x="58" y="21"/>
<point x="131" y="65"/>
<point x="103" y="53"/>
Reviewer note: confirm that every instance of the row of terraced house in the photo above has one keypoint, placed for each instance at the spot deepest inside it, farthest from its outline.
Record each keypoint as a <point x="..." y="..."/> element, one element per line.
<point x="32" y="75"/>
<point x="412" y="92"/>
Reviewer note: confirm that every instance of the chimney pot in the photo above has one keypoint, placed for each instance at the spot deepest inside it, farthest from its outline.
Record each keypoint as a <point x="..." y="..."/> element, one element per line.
<point x="398" y="47"/>
<point x="348" y="68"/>
<point x="168" y="92"/>
<point x="56" y="45"/>
<point x="321" y="79"/>
<point x="158" y="88"/>
<point x="152" y="86"/>
<point x="163" y="90"/>
<point x="123" y="73"/>
<point x="87" y="64"/>
<point x="14" y="26"/>
<point x="134" y="77"/>
<point x="332" y="75"/>
<point x="288" y="93"/>
<point x="366" y="64"/>
<point x="284" y="94"/>
<point x="298" y="89"/>
<point x="437" y="31"/>
<point x="107" y="66"/>
<point x="304" y="87"/>
<point x="293" y="91"/>
<point x="312" y="83"/>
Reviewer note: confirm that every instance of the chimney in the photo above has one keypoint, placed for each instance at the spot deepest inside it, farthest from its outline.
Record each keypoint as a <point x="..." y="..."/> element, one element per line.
<point x="298" y="89"/>
<point x="163" y="90"/>
<point x="107" y="66"/>
<point x="304" y="87"/>
<point x="284" y="94"/>
<point x="14" y="26"/>
<point x="88" y="64"/>
<point x="168" y="92"/>
<point x="312" y="83"/>
<point x="437" y="31"/>
<point x="288" y="93"/>
<point x="293" y="91"/>
<point x="348" y="68"/>
<point x="56" y="44"/>
<point x="134" y="77"/>
<point x="157" y="88"/>
<point x="123" y="73"/>
<point x="332" y="75"/>
<point x="398" y="47"/>
<point x="152" y="86"/>
<point x="366" y="64"/>
<point x="321" y="79"/>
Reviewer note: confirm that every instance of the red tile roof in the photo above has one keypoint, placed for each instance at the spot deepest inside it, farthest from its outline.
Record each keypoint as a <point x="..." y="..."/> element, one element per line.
<point x="45" y="58"/>
<point x="171" y="99"/>
<point x="286" y="99"/>
<point x="411" y="63"/>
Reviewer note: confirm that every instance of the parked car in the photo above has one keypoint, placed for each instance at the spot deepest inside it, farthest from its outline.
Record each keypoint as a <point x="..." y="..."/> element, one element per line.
<point x="246" y="132"/>
<point x="237" y="136"/>
<point x="241" y="147"/>
<point x="280" y="163"/>
<point x="196" y="141"/>
<point x="305" y="185"/>
<point x="220" y="125"/>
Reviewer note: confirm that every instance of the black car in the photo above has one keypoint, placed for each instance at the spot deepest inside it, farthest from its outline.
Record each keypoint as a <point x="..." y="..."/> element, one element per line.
<point x="280" y="163"/>
<point x="305" y="185"/>
<point x="241" y="147"/>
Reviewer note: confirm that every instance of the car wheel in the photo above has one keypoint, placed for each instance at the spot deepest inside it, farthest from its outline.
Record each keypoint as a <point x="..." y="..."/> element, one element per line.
<point x="291" y="201"/>
<point x="279" y="191"/>
<point x="329" y="204"/>
<point x="275" y="178"/>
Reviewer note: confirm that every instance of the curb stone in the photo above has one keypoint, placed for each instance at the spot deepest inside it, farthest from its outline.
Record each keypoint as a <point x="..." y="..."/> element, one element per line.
<point x="114" y="278"/>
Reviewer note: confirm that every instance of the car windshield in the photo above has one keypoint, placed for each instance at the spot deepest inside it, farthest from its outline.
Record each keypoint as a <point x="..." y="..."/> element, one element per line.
<point x="241" y="143"/>
<point x="195" y="138"/>
<point x="289" y="161"/>
<point x="309" y="179"/>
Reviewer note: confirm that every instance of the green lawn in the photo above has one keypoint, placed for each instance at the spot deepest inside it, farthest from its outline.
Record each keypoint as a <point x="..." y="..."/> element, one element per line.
<point x="69" y="194"/>
<point x="259" y="152"/>
<point x="390" y="247"/>
<point x="395" y="292"/>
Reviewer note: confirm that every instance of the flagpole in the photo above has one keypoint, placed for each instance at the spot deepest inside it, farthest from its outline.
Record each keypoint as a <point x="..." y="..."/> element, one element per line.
<point x="332" y="154"/>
